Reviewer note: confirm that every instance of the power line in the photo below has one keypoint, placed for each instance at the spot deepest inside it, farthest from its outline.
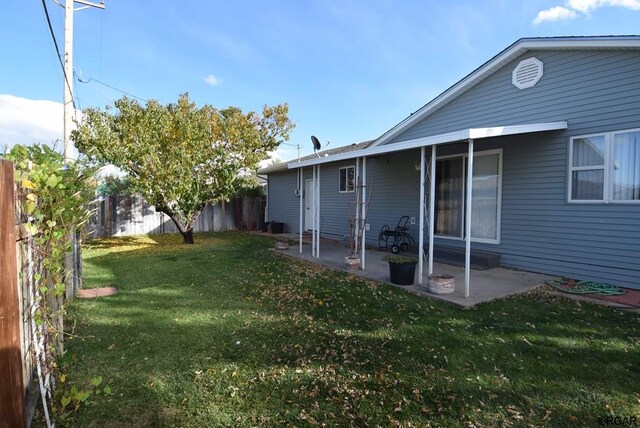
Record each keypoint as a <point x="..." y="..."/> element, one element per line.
<point x="94" y="88"/>
<point x="91" y="79"/>
<point x="55" y="42"/>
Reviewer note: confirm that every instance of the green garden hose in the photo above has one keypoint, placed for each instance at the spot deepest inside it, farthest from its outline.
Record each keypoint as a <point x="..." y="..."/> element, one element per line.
<point x="587" y="287"/>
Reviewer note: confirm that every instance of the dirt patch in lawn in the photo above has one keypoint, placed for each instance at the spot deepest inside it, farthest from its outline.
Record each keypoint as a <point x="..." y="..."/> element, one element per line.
<point x="92" y="293"/>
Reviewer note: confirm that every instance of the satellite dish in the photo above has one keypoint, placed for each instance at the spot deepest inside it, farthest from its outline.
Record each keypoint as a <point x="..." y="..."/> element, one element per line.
<point x="316" y="143"/>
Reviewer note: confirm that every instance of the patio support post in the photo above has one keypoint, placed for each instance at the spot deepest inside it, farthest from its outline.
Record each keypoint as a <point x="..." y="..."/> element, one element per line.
<point x="313" y="214"/>
<point x="300" y="193"/>
<point x="356" y="225"/>
<point x="467" y="253"/>
<point x="432" y="205"/>
<point x="363" y="216"/>
<point x="318" y="216"/>
<point x="421" y="233"/>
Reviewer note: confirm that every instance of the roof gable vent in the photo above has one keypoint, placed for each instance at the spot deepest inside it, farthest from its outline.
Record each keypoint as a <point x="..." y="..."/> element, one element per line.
<point x="527" y="73"/>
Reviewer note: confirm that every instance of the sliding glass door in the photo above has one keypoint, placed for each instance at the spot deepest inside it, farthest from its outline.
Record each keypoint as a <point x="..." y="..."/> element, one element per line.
<point x="450" y="197"/>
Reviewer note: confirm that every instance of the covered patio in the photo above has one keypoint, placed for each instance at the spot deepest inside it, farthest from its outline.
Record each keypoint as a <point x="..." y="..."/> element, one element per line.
<point x="488" y="284"/>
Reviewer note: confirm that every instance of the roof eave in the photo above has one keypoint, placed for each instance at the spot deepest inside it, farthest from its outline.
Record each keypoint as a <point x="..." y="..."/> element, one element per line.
<point x="451" y="137"/>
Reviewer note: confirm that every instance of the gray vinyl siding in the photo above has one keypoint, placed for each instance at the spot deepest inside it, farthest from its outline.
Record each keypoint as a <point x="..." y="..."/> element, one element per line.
<point x="395" y="192"/>
<point x="335" y="208"/>
<point x="592" y="90"/>
<point x="283" y="204"/>
<point x="595" y="91"/>
<point x="393" y="184"/>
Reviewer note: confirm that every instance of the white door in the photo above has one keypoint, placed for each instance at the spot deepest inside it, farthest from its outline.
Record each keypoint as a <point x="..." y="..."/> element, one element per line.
<point x="308" y="205"/>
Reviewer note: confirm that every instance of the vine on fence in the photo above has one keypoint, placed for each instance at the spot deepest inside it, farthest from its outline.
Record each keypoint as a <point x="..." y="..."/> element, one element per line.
<point x="53" y="201"/>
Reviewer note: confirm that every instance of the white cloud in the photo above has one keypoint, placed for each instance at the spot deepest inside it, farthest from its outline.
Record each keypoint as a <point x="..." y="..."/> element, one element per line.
<point x="586" y="6"/>
<point x="557" y="13"/>
<point x="573" y="9"/>
<point x="212" y="80"/>
<point x="26" y="121"/>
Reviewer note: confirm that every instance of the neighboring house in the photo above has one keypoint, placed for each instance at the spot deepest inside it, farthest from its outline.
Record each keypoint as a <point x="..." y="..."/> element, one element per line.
<point x="553" y="126"/>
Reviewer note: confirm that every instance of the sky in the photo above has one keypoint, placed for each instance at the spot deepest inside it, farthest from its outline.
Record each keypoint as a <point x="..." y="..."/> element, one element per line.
<point x="349" y="70"/>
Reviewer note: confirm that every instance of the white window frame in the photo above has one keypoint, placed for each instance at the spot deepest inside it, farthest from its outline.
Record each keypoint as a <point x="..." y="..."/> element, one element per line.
<point x="607" y="191"/>
<point x="353" y="167"/>
<point x="464" y="199"/>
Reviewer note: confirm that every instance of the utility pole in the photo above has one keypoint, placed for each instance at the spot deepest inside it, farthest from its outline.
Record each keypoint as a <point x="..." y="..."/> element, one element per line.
<point x="68" y="69"/>
<point x="72" y="259"/>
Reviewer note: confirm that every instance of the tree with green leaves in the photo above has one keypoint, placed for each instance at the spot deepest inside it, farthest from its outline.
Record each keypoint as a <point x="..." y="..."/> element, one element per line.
<point x="114" y="185"/>
<point x="179" y="156"/>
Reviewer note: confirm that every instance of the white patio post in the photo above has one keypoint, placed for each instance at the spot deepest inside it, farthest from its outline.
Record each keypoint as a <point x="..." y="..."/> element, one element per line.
<point x="318" y="216"/>
<point x="356" y="225"/>
<point x="300" y="193"/>
<point x="432" y="206"/>
<point x="421" y="233"/>
<point x="313" y="213"/>
<point x="363" y="216"/>
<point x="467" y="253"/>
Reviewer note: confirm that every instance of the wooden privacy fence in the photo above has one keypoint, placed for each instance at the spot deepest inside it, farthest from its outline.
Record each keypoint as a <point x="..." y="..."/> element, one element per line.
<point x="12" y="380"/>
<point x="131" y="215"/>
<point x="26" y="343"/>
<point x="18" y="264"/>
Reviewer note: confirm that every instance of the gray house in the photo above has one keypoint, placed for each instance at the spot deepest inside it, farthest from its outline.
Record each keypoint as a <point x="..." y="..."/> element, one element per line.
<point x="550" y="128"/>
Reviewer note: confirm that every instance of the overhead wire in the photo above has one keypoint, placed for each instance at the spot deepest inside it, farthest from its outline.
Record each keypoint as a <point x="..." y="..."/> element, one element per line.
<point x="91" y="79"/>
<point x="94" y="88"/>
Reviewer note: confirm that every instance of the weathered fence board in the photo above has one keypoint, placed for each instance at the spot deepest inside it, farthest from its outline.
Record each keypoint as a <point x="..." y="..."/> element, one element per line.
<point x="130" y="215"/>
<point x="12" y="392"/>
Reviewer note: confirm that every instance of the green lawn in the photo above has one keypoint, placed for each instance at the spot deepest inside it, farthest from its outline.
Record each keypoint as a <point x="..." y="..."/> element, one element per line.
<point x="227" y="333"/>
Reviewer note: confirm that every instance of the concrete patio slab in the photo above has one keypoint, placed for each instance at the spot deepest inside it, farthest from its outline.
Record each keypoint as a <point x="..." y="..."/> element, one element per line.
<point x="485" y="285"/>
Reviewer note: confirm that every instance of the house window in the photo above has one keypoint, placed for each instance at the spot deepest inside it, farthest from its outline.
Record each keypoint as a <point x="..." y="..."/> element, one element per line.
<point x="347" y="179"/>
<point x="605" y="167"/>
<point x="485" y="198"/>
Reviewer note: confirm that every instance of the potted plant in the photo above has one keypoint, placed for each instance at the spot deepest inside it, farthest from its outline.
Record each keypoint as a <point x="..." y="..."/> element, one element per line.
<point x="441" y="284"/>
<point x="402" y="269"/>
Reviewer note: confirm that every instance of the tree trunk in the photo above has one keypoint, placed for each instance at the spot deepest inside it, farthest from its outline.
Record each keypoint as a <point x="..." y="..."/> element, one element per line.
<point x="187" y="236"/>
<point x="185" y="231"/>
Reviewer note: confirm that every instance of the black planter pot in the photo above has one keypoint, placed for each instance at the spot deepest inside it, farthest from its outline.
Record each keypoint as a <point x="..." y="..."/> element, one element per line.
<point x="277" y="227"/>
<point x="402" y="273"/>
